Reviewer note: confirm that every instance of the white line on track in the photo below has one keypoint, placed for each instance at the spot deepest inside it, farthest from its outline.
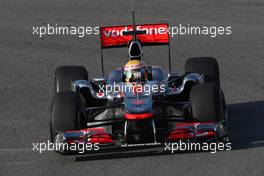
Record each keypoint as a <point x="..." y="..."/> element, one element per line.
<point x="257" y="142"/>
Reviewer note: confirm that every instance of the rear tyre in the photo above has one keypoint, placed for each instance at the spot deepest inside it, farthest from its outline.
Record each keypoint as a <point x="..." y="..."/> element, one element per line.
<point x="64" y="113"/>
<point x="64" y="76"/>
<point x="204" y="65"/>
<point x="206" y="103"/>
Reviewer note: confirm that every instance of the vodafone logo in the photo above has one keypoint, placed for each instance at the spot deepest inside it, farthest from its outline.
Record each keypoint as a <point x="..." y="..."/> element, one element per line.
<point x="112" y="36"/>
<point x="115" y="33"/>
<point x="119" y="31"/>
<point x="138" y="102"/>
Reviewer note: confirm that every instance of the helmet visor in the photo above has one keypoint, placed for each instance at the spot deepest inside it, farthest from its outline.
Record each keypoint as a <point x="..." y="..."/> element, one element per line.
<point x="135" y="74"/>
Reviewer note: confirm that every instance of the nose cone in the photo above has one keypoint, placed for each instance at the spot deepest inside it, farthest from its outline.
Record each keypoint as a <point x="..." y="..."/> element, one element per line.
<point x="135" y="104"/>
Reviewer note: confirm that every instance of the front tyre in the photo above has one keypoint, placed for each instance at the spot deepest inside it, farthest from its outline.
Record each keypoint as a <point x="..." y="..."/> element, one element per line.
<point x="64" y="113"/>
<point x="207" y="66"/>
<point x="64" y="76"/>
<point x="206" y="103"/>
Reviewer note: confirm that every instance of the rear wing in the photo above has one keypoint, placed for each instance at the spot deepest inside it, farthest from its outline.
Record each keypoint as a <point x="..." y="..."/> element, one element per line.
<point x="147" y="34"/>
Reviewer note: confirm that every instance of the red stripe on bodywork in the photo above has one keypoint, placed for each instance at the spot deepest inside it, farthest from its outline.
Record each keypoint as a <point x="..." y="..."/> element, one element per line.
<point x="138" y="116"/>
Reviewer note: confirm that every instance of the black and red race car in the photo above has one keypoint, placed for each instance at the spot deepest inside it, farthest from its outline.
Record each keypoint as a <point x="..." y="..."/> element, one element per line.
<point x="190" y="107"/>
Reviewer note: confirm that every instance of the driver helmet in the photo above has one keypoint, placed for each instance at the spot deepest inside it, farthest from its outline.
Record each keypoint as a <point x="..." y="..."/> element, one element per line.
<point x="135" y="70"/>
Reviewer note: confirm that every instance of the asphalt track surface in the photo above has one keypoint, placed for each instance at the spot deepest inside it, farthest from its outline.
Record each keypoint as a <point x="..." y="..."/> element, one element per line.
<point x="27" y="64"/>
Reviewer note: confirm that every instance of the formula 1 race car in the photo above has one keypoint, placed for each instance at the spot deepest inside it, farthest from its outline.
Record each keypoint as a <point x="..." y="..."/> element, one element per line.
<point x="157" y="107"/>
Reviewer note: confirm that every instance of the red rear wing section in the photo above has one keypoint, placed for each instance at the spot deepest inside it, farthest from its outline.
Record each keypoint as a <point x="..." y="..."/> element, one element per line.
<point x="153" y="34"/>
